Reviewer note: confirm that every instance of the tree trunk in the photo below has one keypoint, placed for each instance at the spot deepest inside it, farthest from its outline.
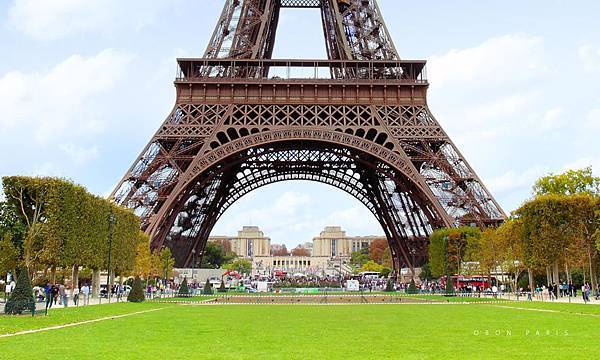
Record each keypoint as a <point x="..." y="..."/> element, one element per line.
<point x="592" y="275"/>
<point x="75" y="277"/>
<point x="95" y="283"/>
<point x="567" y="272"/>
<point x="53" y="274"/>
<point x="531" y="281"/>
<point x="555" y="278"/>
<point x="548" y="275"/>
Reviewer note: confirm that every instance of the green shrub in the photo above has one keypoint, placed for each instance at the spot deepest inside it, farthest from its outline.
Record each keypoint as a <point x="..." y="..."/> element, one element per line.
<point x="184" y="290"/>
<point x="412" y="288"/>
<point x="389" y="286"/>
<point x="137" y="291"/>
<point x="21" y="298"/>
<point x="222" y="287"/>
<point x="208" y="290"/>
<point x="449" y="285"/>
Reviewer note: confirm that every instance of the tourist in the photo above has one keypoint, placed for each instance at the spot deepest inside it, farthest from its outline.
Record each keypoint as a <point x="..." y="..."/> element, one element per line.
<point x="48" y="293"/>
<point x="62" y="292"/>
<point x="54" y="293"/>
<point x="85" y="290"/>
<point x="584" y="293"/>
<point x="76" y="295"/>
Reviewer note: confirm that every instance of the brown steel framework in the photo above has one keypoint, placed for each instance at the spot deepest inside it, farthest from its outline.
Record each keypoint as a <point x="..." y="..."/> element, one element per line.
<point x="358" y="121"/>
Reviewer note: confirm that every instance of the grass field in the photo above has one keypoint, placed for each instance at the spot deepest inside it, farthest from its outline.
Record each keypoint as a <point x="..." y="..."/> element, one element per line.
<point x="504" y="330"/>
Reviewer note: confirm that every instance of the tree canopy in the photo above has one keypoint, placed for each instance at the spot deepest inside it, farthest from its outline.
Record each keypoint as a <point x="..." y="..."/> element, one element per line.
<point x="55" y="223"/>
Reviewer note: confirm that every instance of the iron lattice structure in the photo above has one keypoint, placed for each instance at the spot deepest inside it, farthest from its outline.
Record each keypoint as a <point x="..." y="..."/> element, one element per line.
<point x="358" y="121"/>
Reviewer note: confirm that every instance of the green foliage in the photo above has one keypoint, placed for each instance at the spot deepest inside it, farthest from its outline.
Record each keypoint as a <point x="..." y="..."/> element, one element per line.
<point x="208" y="290"/>
<point x="215" y="256"/>
<point x="412" y="288"/>
<point x="389" y="286"/>
<point x="222" y="288"/>
<point x="359" y="257"/>
<point x="9" y="254"/>
<point x="570" y="182"/>
<point x="545" y="222"/>
<point x="449" y="285"/>
<point x="184" y="290"/>
<point x="371" y="266"/>
<point x="425" y="272"/>
<point x="137" y="291"/>
<point x="21" y="299"/>
<point x="385" y="272"/>
<point x="242" y="266"/>
<point x="63" y="225"/>
<point x="166" y="262"/>
<point x="448" y="247"/>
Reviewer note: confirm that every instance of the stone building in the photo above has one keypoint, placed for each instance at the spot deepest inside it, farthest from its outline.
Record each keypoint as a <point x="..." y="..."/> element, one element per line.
<point x="333" y="242"/>
<point x="330" y="251"/>
<point x="248" y="243"/>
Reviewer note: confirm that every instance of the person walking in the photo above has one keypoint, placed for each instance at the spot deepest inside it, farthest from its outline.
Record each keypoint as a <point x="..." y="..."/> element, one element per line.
<point x="76" y="296"/>
<point x="62" y="292"/>
<point x="85" y="290"/>
<point x="54" y="294"/>
<point x="48" y="293"/>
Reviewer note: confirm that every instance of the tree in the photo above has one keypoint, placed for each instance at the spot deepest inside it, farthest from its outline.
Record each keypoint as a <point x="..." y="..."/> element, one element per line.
<point x="208" y="290"/>
<point x="412" y="288"/>
<point x="372" y="266"/>
<point x="377" y="250"/>
<point x="144" y="259"/>
<point x="300" y="251"/>
<point x="568" y="183"/>
<point x="222" y="288"/>
<point x="360" y="257"/>
<point x="214" y="256"/>
<point x="389" y="285"/>
<point x="545" y="222"/>
<point x="184" y="290"/>
<point x="279" y="250"/>
<point x="137" y="291"/>
<point x="166" y="262"/>
<point x="9" y="255"/>
<point x="21" y="299"/>
<point x="425" y="272"/>
<point x="242" y="266"/>
<point x="449" y="247"/>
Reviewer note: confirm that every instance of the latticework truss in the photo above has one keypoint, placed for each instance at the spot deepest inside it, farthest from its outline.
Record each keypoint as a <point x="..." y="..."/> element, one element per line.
<point x="365" y="129"/>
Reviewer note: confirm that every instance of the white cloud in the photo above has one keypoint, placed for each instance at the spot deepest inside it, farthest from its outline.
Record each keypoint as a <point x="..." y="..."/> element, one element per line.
<point x="56" y="104"/>
<point x="78" y="154"/>
<point x="55" y="19"/>
<point x="513" y="180"/>
<point x="590" y="57"/>
<point x="507" y="58"/>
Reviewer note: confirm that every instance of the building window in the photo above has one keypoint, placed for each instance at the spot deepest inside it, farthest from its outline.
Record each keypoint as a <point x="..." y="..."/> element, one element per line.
<point x="333" y="247"/>
<point x="274" y="262"/>
<point x="250" y="248"/>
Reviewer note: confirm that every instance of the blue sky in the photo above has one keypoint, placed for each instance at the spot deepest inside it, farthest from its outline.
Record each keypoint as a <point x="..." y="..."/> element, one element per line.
<point x="85" y="83"/>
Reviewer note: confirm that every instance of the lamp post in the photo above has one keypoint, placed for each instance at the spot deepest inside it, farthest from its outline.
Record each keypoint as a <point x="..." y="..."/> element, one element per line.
<point x="166" y="272"/>
<point x="111" y="224"/>
<point x="193" y="262"/>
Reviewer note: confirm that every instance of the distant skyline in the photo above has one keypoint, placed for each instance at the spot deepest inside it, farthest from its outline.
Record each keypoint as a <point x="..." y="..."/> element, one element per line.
<point x="85" y="83"/>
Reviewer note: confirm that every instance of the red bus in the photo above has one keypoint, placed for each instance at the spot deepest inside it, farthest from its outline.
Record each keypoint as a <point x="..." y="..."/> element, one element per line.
<point x="480" y="281"/>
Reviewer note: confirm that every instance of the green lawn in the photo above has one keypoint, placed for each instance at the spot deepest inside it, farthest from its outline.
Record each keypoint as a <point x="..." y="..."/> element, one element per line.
<point x="452" y="331"/>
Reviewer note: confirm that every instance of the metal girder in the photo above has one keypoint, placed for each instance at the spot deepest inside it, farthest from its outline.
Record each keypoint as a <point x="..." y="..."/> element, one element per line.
<point x="365" y="129"/>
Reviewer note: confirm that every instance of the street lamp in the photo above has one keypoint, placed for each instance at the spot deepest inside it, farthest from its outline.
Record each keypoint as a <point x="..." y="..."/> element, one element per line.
<point x="166" y="271"/>
<point x="193" y="262"/>
<point x="111" y="224"/>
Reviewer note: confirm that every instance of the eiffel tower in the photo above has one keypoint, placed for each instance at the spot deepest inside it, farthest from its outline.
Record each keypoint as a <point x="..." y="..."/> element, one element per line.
<point x="357" y="121"/>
